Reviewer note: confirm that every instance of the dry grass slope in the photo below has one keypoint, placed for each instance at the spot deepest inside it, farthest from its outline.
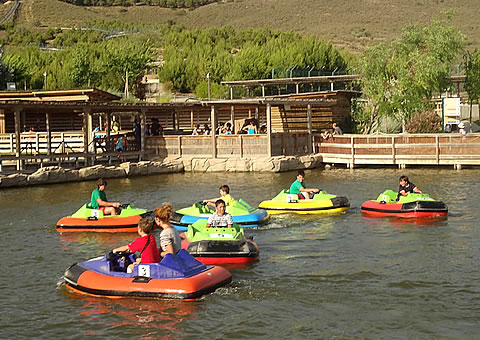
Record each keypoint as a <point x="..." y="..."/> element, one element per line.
<point x="348" y="23"/>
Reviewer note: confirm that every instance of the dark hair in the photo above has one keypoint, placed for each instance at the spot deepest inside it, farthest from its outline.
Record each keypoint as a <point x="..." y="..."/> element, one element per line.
<point x="404" y="178"/>
<point x="101" y="182"/>
<point x="146" y="224"/>
<point x="218" y="202"/>
<point x="225" y="188"/>
<point x="301" y="173"/>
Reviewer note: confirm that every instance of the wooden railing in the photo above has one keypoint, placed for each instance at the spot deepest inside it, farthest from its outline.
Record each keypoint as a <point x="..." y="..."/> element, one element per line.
<point x="36" y="142"/>
<point x="225" y="146"/>
<point x="401" y="150"/>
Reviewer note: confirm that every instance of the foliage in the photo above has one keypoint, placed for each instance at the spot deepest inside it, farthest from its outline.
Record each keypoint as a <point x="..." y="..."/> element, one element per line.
<point x="216" y="90"/>
<point x="161" y="3"/>
<point x="228" y="54"/>
<point x="424" y="122"/>
<point x="400" y="78"/>
<point x="471" y="62"/>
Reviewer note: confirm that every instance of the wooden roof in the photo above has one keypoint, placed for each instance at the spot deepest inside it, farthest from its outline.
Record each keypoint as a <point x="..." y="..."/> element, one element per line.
<point x="296" y="80"/>
<point x="71" y="95"/>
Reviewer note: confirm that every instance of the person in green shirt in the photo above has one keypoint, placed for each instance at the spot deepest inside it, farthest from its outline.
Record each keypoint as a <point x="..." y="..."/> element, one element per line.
<point x="298" y="187"/>
<point x="99" y="200"/>
<point x="224" y="196"/>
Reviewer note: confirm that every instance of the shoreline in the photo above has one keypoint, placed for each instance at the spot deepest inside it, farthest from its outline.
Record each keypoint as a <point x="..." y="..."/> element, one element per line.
<point x="56" y="174"/>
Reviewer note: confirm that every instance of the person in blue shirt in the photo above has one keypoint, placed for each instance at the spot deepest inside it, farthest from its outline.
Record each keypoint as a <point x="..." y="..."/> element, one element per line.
<point x="298" y="187"/>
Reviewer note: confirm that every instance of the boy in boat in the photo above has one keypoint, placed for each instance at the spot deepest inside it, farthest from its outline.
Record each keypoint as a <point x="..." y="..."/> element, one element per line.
<point x="298" y="187"/>
<point x="406" y="187"/>
<point x="224" y="196"/>
<point x="99" y="199"/>
<point x="220" y="218"/>
<point x="170" y="242"/>
<point x="145" y="244"/>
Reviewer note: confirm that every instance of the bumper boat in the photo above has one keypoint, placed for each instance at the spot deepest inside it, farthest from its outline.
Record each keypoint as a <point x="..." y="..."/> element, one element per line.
<point x="219" y="245"/>
<point x="412" y="205"/>
<point x="177" y="276"/>
<point x="242" y="213"/>
<point x="87" y="219"/>
<point x="321" y="203"/>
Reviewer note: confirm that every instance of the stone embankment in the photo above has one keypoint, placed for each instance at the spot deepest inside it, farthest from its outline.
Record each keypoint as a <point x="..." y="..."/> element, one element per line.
<point x="56" y="174"/>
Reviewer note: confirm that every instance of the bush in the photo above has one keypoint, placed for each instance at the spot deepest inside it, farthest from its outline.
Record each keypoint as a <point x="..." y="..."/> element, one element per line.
<point x="424" y="122"/>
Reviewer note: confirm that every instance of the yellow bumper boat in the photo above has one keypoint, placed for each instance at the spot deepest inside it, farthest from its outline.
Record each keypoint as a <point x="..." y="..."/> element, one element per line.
<point x="321" y="203"/>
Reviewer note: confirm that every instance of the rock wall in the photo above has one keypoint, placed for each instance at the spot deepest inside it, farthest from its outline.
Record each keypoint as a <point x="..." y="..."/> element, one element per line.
<point x="56" y="174"/>
<point x="260" y="164"/>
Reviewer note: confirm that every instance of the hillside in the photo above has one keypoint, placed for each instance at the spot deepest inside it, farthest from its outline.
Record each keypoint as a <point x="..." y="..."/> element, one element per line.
<point x="347" y="23"/>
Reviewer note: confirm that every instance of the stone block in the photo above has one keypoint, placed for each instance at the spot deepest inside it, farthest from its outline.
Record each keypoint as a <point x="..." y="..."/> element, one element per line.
<point x="14" y="180"/>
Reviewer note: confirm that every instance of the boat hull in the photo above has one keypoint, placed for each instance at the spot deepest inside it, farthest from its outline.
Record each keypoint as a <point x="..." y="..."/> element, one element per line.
<point x="95" y="277"/>
<point x="253" y="220"/>
<point x="421" y="209"/>
<point x="223" y="252"/>
<point x="334" y="205"/>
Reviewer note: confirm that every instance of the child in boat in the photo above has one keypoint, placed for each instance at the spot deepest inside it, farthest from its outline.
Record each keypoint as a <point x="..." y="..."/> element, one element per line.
<point x="298" y="187"/>
<point x="220" y="218"/>
<point x="170" y="242"/>
<point x="99" y="201"/>
<point x="406" y="187"/>
<point x="224" y="196"/>
<point x="145" y="244"/>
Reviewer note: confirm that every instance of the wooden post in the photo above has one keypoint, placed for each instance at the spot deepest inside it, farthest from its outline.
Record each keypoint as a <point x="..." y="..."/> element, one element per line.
<point x="179" y="139"/>
<point x="191" y="119"/>
<point x="231" y="92"/>
<point x="297" y="88"/>
<point x="437" y="150"/>
<point x="240" y="142"/>
<point x="263" y="91"/>
<point x="37" y="143"/>
<point x="256" y="113"/>
<point x="249" y="113"/>
<point x="232" y="118"/>
<point x="143" y="121"/>
<point x="2" y="121"/>
<point x="393" y="151"/>
<point x="352" y="152"/>
<point x="17" y="113"/>
<point x="85" y="136"/>
<point x="309" y="127"/>
<point x="174" y="119"/>
<point x="213" y="116"/>
<point x="269" y="130"/>
<point x="49" y="133"/>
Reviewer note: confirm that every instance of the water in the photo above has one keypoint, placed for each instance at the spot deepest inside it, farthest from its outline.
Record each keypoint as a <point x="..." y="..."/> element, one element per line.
<point x="343" y="276"/>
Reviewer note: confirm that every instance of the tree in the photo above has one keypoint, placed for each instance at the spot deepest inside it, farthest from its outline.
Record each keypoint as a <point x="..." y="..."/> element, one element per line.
<point x="400" y="78"/>
<point x="471" y="62"/>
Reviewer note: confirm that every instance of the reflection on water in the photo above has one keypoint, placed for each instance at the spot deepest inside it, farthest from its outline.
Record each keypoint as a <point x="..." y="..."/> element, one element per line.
<point x="344" y="276"/>
<point x="146" y="315"/>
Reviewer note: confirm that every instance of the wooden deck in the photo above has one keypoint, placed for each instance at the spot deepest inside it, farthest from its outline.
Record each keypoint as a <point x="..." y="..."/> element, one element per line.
<point x="401" y="150"/>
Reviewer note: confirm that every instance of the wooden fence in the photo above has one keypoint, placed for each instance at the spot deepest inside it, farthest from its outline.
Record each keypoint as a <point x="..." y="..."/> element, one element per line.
<point x="401" y="150"/>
